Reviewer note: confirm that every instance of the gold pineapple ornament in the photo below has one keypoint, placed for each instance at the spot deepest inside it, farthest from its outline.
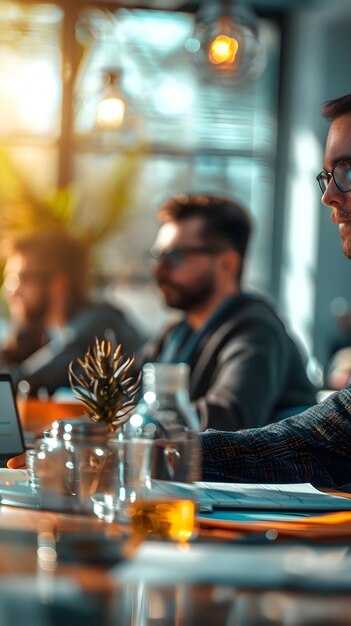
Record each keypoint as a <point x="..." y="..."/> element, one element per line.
<point x="104" y="383"/>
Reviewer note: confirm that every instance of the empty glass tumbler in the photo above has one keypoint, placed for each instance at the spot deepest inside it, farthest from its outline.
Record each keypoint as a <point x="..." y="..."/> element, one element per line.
<point x="74" y="464"/>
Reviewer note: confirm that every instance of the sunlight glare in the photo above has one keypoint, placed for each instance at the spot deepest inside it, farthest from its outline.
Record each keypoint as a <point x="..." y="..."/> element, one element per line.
<point x="36" y="94"/>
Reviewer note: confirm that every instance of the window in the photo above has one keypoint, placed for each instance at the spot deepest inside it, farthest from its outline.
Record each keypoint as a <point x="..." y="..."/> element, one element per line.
<point x="194" y="131"/>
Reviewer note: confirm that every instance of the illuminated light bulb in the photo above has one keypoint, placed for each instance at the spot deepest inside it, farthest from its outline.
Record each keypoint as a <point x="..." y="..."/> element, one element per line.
<point x="110" y="112"/>
<point x="223" y="50"/>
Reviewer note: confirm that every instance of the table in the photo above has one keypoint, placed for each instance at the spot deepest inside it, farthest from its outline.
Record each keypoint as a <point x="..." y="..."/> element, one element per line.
<point x="90" y="591"/>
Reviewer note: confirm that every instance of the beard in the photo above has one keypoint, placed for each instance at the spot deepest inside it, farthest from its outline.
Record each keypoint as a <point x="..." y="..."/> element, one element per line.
<point x="346" y="248"/>
<point x="345" y="236"/>
<point x="187" y="298"/>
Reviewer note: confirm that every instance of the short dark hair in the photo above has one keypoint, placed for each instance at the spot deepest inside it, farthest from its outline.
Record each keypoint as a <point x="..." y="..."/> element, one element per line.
<point x="332" y="109"/>
<point x="224" y="220"/>
<point x="58" y="251"/>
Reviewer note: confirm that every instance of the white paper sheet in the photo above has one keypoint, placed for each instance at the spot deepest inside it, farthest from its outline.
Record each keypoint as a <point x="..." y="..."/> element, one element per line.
<point x="285" y="497"/>
<point x="295" y="497"/>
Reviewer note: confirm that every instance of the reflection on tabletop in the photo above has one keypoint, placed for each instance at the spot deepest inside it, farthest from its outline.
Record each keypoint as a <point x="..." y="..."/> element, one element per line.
<point x="55" y="565"/>
<point x="58" y="565"/>
<point x="76" y="565"/>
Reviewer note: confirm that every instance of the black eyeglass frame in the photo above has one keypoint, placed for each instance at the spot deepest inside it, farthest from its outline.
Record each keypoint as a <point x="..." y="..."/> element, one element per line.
<point x="324" y="178"/>
<point x="173" y="256"/>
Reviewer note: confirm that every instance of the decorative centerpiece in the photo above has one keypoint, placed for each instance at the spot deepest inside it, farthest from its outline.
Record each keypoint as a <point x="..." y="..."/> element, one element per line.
<point x="105" y="384"/>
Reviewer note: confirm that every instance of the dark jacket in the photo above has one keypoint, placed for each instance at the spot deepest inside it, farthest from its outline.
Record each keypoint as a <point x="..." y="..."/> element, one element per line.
<point x="315" y="447"/>
<point x="48" y="366"/>
<point x="245" y="370"/>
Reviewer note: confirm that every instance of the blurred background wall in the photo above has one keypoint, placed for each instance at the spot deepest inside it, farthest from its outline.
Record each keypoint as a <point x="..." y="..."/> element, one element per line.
<point x="182" y="124"/>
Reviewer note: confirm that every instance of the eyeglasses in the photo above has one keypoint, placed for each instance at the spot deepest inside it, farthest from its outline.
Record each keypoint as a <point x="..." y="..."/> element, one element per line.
<point x="341" y="174"/>
<point x="174" y="257"/>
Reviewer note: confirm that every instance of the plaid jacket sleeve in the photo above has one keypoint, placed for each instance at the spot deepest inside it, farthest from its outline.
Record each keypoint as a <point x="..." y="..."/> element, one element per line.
<point x="314" y="446"/>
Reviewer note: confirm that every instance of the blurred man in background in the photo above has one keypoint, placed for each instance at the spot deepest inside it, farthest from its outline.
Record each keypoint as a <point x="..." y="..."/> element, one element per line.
<point x="245" y="370"/>
<point x="24" y="334"/>
<point x="46" y="279"/>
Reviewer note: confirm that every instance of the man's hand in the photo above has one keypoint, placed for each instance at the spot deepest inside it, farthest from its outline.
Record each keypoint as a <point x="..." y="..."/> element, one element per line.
<point x="17" y="462"/>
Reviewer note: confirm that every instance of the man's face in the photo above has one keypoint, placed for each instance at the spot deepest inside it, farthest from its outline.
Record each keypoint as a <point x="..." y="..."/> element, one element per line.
<point x="26" y="286"/>
<point x="188" y="280"/>
<point x="338" y="148"/>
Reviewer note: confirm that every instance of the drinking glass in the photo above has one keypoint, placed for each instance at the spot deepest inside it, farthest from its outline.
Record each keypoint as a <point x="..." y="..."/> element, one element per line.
<point x="149" y="506"/>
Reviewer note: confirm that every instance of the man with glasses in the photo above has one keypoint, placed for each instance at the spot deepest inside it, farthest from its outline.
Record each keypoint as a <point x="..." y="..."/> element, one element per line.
<point x="245" y="370"/>
<point x="315" y="446"/>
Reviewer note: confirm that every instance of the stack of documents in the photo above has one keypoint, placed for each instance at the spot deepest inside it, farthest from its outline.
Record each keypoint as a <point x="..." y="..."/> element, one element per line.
<point x="290" y="497"/>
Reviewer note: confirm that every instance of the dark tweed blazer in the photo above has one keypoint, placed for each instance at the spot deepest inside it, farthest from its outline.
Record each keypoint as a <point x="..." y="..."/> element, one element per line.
<point x="313" y="447"/>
